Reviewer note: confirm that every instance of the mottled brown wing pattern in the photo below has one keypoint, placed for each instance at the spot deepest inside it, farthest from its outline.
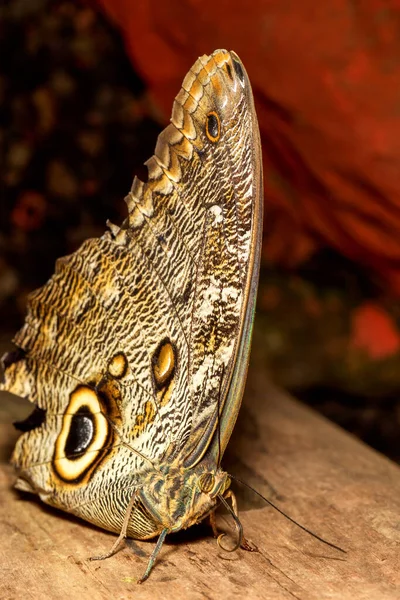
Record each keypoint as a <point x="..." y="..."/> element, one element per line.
<point x="130" y="346"/>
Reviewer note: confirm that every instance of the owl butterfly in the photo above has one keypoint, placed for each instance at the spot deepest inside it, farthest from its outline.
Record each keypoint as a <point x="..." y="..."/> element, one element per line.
<point x="135" y="352"/>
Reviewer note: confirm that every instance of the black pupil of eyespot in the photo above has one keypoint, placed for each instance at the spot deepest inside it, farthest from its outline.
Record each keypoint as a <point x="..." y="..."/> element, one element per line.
<point x="212" y="126"/>
<point x="238" y="70"/>
<point x="80" y="433"/>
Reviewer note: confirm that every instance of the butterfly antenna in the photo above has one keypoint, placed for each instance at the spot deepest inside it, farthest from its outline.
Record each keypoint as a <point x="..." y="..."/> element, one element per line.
<point x="239" y="528"/>
<point x="314" y="535"/>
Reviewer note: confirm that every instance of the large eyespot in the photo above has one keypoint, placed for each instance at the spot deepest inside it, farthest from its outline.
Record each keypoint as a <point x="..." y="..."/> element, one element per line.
<point x="164" y="364"/>
<point x="213" y="127"/>
<point x="84" y="438"/>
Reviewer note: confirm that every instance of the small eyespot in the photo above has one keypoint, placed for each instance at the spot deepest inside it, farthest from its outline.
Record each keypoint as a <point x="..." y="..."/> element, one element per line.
<point x="239" y="71"/>
<point x="118" y="366"/>
<point x="164" y="363"/>
<point x="213" y="128"/>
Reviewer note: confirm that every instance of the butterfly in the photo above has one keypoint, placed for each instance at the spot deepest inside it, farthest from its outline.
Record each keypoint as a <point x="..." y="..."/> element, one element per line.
<point x="135" y="352"/>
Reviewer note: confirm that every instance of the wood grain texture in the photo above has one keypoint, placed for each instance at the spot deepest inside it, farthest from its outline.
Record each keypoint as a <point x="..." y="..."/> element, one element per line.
<point x="322" y="476"/>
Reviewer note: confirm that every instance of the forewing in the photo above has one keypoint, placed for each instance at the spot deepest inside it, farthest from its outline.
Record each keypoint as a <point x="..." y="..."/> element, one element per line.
<point x="227" y="270"/>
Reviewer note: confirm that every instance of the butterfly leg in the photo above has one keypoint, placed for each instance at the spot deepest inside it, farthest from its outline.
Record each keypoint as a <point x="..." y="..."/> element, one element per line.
<point x="122" y="535"/>
<point x="231" y="495"/>
<point x="154" y="555"/>
<point x="213" y="523"/>
<point x="246" y="544"/>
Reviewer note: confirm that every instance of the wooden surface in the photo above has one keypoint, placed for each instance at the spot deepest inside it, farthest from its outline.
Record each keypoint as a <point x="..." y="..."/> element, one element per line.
<point x="320" y="475"/>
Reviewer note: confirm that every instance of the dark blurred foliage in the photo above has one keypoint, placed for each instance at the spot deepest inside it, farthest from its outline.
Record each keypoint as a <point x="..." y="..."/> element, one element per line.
<point x="74" y="126"/>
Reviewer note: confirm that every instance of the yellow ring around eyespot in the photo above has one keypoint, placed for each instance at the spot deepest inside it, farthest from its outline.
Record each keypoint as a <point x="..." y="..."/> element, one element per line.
<point x="211" y="137"/>
<point x="70" y="470"/>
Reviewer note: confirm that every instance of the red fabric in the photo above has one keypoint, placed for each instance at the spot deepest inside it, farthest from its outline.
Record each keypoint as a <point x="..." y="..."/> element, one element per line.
<point x="374" y="331"/>
<point x="326" y="77"/>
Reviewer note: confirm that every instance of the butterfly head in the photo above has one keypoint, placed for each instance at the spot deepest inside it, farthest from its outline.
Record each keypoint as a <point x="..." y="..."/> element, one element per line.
<point x="184" y="496"/>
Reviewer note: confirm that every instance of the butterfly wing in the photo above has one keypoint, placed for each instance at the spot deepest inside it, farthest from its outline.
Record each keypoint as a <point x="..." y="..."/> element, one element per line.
<point x="228" y="266"/>
<point x="129" y="350"/>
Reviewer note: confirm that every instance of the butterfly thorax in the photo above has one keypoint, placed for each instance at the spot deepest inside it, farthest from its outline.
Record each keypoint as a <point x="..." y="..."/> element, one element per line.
<point x="178" y="498"/>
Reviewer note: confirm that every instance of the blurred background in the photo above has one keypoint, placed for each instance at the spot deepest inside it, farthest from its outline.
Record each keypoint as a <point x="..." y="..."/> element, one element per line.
<point x="85" y="88"/>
